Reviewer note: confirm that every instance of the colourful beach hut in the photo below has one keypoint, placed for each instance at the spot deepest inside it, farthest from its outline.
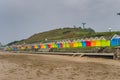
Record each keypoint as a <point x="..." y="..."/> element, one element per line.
<point x="115" y="41"/>
<point x="75" y="43"/>
<point x="58" y="45"/>
<point x="79" y="43"/>
<point x="67" y="44"/>
<point x="41" y="46"/>
<point x="55" y="45"/>
<point x="93" y="42"/>
<point x="63" y="44"/>
<point x="88" y="43"/>
<point x="44" y="46"/>
<point x="98" y="42"/>
<point x="71" y="44"/>
<point x="52" y="45"/>
<point x="103" y="42"/>
<point x="15" y="48"/>
<point x="83" y="43"/>
<point x="108" y="43"/>
<point x="47" y="45"/>
<point x="119" y="42"/>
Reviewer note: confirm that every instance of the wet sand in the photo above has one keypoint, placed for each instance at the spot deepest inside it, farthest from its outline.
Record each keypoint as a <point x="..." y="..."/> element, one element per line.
<point x="23" y="66"/>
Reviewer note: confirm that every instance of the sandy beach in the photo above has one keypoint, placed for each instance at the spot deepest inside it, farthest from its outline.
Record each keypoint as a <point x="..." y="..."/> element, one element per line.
<point x="24" y="66"/>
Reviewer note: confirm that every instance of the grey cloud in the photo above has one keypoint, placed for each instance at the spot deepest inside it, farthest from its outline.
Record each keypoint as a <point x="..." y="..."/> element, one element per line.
<point x="22" y="18"/>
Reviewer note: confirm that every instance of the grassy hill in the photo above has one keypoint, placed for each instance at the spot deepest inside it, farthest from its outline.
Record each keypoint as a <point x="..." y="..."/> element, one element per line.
<point x="64" y="33"/>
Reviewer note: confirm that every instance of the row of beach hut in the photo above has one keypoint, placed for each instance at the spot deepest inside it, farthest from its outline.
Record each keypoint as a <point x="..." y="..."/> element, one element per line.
<point x="97" y="42"/>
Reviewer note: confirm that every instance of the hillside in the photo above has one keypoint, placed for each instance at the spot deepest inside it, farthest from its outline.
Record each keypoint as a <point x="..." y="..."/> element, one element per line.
<point x="64" y="33"/>
<point x="58" y="34"/>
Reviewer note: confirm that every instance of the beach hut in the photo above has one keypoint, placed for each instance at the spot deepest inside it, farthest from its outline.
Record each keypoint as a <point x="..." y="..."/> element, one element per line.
<point x="52" y="45"/>
<point x="67" y="44"/>
<point x="39" y="45"/>
<point x="115" y="41"/>
<point x="98" y="42"/>
<point x="75" y="43"/>
<point x="63" y="44"/>
<point x="79" y="43"/>
<point x="83" y="43"/>
<point x="58" y="45"/>
<point x="43" y="46"/>
<point x="103" y="42"/>
<point x="88" y="42"/>
<point x="108" y="43"/>
<point x="55" y="45"/>
<point x="47" y="45"/>
<point x="71" y="44"/>
<point x="32" y="46"/>
<point x="93" y="42"/>
<point x="14" y="48"/>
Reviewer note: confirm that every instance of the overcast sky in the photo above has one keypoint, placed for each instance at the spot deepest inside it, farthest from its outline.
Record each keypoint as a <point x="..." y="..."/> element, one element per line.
<point x="19" y="19"/>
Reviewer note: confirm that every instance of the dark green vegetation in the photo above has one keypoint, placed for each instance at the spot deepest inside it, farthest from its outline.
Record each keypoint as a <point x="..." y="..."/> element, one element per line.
<point x="65" y="33"/>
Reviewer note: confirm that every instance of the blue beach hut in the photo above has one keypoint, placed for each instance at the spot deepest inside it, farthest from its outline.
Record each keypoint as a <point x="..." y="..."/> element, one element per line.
<point x="83" y="43"/>
<point x="115" y="41"/>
